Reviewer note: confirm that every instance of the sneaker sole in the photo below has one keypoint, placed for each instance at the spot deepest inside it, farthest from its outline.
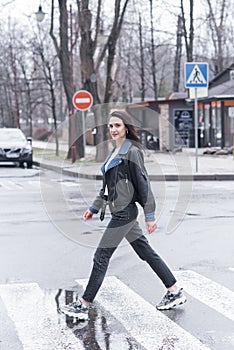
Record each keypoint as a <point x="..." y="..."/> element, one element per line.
<point x="80" y="316"/>
<point x="173" y="304"/>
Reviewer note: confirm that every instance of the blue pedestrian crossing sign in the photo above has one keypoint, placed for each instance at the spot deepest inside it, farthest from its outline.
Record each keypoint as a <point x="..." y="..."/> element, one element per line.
<point x="196" y="75"/>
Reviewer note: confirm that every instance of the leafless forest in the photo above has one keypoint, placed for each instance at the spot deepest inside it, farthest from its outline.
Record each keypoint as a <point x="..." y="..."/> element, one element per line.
<point x="119" y="50"/>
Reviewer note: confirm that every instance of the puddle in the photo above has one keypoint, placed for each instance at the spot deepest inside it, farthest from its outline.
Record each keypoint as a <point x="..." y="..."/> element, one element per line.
<point x="100" y="332"/>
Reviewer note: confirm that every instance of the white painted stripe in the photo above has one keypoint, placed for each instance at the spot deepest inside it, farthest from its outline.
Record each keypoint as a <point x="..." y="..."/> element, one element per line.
<point x="70" y="184"/>
<point x="3" y="184"/>
<point x="36" y="319"/>
<point x="83" y="100"/>
<point x="216" y="296"/>
<point x="11" y="183"/>
<point x="36" y="184"/>
<point x="19" y="186"/>
<point x="148" y="326"/>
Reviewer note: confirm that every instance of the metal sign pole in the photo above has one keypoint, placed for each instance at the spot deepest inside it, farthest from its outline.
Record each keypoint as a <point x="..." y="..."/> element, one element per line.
<point x="84" y="131"/>
<point x="196" y="76"/>
<point x="82" y="100"/>
<point x="196" y="129"/>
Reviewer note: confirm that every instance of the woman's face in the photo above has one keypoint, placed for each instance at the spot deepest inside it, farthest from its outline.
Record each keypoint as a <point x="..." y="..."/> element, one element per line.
<point x="117" y="129"/>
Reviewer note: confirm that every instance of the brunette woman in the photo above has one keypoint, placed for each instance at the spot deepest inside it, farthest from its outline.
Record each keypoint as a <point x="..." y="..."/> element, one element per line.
<point x="125" y="183"/>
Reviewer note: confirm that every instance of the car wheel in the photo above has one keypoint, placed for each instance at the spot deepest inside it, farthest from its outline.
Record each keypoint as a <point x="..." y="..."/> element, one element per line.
<point x="21" y="164"/>
<point x="29" y="165"/>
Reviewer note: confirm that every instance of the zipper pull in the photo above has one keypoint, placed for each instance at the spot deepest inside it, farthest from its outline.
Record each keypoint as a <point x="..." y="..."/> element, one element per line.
<point x="126" y="181"/>
<point x="126" y="178"/>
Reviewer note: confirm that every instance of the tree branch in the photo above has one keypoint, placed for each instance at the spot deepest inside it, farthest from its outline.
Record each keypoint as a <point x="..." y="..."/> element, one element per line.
<point x="52" y="30"/>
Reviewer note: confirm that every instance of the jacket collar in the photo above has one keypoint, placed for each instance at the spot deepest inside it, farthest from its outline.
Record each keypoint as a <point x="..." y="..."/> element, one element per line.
<point x="125" y="147"/>
<point x="123" y="150"/>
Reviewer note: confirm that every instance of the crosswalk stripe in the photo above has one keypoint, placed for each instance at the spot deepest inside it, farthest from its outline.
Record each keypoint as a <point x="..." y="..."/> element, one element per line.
<point x="216" y="296"/>
<point x="5" y="186"/>
<point x="36" y="319"/>
<point x="34" y="184"/>
<point x="149" y="327"/>
<point x="14" y="185"/>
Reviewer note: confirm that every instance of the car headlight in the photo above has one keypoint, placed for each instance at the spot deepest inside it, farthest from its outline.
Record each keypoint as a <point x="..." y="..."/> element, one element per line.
<point x="27" y="149"/>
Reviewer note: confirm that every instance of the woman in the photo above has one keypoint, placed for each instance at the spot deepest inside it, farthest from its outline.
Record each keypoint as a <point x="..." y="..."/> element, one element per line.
<point x="125" y="182"/>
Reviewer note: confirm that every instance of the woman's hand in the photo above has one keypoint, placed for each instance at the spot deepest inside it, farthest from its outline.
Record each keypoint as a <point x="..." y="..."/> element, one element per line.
<point x="151" y="226"/>
<point x="87" y="215"/>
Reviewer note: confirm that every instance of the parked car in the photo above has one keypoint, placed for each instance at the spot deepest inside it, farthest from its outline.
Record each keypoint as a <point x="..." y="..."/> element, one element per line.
<point x="15" y="147"/>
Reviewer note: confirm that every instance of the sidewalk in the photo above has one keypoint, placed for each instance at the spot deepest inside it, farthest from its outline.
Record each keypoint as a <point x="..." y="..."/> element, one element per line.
<point x="160" y="166"/>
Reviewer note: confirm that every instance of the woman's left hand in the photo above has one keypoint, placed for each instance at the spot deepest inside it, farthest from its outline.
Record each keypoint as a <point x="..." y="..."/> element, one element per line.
<point x="151" y="226"/>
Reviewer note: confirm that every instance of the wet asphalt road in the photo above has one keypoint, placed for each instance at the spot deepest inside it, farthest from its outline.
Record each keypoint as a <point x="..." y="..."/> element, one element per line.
<point x="43" y="240"/>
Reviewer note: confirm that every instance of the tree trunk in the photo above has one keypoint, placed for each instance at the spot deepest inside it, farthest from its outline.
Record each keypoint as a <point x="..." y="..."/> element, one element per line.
<point x="189" y="39"/>
<point x="176" y="80"/>
<point x="88" y="73"/>
<point x="142" y="88"/>
<point x="65" y="61"/>
<point x="153" y="61"/>
<point x="218" y="35"/>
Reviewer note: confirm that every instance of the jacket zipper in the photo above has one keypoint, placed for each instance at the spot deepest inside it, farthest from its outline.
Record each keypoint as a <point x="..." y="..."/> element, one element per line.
<point x="113" y="203"/>
<point x="126" y="175"/>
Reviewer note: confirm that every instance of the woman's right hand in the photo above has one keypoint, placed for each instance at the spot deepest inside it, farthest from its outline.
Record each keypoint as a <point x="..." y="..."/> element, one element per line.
<point x="151" y="226"/>
<point x="87" y="215"/>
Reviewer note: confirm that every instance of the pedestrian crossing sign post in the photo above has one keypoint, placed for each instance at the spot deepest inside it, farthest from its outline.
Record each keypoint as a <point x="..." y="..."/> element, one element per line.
<point x="196" y="76"/>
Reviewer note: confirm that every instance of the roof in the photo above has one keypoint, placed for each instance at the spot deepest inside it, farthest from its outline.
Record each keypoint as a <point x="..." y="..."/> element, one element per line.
<point x="224" y="89"/>
<point x="231" y="67"/>
<point x="176" y="95"/>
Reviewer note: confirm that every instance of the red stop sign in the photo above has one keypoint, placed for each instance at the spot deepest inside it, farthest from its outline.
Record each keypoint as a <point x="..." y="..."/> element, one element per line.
<point x="82" y="100"/>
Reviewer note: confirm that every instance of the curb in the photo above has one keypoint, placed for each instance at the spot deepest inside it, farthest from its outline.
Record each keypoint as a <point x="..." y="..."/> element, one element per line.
<point x="166" y="177"/>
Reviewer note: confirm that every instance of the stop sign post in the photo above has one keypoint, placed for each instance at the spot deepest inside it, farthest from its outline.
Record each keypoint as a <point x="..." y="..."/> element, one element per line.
<point x="82" y="100"/>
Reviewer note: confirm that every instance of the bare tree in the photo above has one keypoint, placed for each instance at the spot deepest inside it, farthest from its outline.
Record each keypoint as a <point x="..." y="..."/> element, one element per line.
<point x="178" y="55"/>
<point x="153" y="61"/>
<point x="90" y="66"/>
<point x="47" y="68"/>
<point x="218" y="36"/>
<point x="64" y="55"/>
<point x="29" y="108"/>
<point x="15" y="87"/>
<point x="188" y="37"/>
<point x="142" y="69"/>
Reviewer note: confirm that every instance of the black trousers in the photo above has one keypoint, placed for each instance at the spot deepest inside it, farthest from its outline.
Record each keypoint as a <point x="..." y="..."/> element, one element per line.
<point x="123" y="224"/>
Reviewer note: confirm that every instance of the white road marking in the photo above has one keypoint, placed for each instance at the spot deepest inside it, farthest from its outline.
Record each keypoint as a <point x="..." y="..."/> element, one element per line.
<point x="216" y="296"/>
<point x="35" y="319"/>
<point x="82" y="100"/>
<point x="5" y="186"/>
<point x="12" y="186"/>
<point x="148" y="326"/>
<point x="70" y="184"/>
<point x="36" y="184"/>
<point x="11" y="183"/>
<point x="19" y="186"/>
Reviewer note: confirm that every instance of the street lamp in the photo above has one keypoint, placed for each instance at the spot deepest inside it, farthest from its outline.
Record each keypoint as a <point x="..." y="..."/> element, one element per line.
<point x="40" y="14"/>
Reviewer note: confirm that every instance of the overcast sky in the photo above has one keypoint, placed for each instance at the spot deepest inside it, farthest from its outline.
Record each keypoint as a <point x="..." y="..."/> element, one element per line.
<point x="26" y="8"/>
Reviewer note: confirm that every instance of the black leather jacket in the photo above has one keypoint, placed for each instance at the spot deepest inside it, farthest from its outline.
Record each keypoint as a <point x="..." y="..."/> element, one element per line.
<point x="126" y="181"/>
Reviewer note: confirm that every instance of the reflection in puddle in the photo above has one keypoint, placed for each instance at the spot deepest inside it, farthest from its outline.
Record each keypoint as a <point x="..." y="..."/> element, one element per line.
<point x="100" y="332"/>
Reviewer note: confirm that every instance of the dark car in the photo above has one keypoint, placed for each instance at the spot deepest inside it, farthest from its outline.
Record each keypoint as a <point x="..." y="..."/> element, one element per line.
<point x="14" y="147"/>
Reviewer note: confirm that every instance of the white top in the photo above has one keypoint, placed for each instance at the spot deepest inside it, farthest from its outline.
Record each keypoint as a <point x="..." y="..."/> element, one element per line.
<point x="116" y="151"/>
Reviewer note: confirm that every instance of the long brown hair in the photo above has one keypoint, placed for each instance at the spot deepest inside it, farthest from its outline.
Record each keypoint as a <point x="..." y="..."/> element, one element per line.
<point x="131" y="133"/>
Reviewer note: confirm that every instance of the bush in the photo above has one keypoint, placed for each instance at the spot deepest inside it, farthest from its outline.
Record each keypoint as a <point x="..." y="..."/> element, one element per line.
<point x="42" y="134"/>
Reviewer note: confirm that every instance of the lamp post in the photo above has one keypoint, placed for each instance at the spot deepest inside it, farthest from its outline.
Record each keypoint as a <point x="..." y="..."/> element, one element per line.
<point x="40" y="15"/>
